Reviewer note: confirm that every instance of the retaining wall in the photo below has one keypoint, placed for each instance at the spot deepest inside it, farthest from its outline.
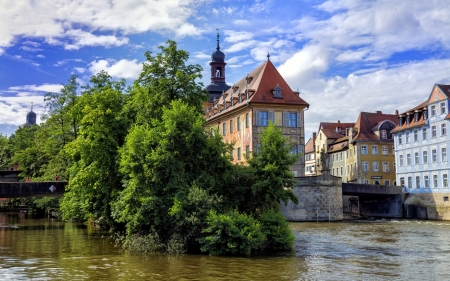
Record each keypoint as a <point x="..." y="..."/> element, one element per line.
<point x="435" y="206"/>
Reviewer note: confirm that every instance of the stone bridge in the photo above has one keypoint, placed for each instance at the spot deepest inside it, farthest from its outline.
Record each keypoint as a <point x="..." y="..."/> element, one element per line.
<point x="32" y="189"/>
<point x="376" y="200"/>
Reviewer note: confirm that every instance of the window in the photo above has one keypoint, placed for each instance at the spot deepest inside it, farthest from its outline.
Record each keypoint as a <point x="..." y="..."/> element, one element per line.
<point x="416" y="135"/>
<point x="425" y="115"/>
<point x="443" y="129"/>
<point x="374" y="149"/>
<point x="384" y="150"/>
<point x="433" y="131"/>
<point x="417" y="182"/>
<point x="383" y="134"/>
<point x="444" y="180"/>
<point x="424" y="133"/>
<point x="416" y="117"/>
<point x="366" y="181"/>
<point x="407" y="138"/>
<point x="426" y="182"/>
<point x="425" y="157"/>
<point x="247" y="150"/>
<point x="333" y="157"/>
<point x="435" y="181"/>
<point x="401" y="160"/>
<point x="444" y="154"/>
<point x="293" y="119"/>
<point x="409" y="182"/>
<point x="400" y="138"/>
<point x="231" y="126"/>
<point x="402" y="181"/>
<point x="433" y="110"/>
<point x="263" y="118"/>
<point x="340" y="156"/>
<point x="387" y="182"/>
<point x="247" y="120"/>
<point x="342" y="171"/>
<point x="365" y="166"/>
<point x="224" y="128"/>
<point x="407" y="119"/>
<point x="416" y="158"/>
<point x="385" y="166"/>
<point x="442" y="107"/>
<point x="408" y="159"/>
<point x="239" y="153"/>
<point x="238" y="123"/>
<point x="363" y="149"/>
<point x="375" y="166"/>
<point x="433" y="156"/>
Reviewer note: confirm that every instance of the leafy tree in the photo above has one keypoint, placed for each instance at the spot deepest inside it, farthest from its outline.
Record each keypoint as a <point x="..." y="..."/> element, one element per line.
<point x="164" y="78"/>
<point x="5" y="152"/>
<point x="271" y="168"/>
<point x="94" y="175"/>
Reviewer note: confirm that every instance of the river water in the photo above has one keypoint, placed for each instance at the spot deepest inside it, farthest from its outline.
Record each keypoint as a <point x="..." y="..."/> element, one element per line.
<point x="34" y="248"/>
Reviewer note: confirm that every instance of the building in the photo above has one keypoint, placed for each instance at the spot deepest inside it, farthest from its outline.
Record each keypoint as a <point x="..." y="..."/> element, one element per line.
<point x="421" y="144"/>
<point x="364" y="153"/>
<point x="31" y="118"/>
<point x="327" y="134"/>
<point x="421" y="156"/>
<point x="310" y="156"/>
<point x="242" y="111"/>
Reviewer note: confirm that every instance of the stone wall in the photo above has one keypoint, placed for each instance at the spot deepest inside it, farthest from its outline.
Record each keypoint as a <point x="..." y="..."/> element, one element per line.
<point x="320" y="199"/>
<point x="433" y="206"/>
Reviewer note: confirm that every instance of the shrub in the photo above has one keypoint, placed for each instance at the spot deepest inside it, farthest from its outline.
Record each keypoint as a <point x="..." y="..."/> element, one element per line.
<point x="276" y="229"/>
<point x="231" y="234"/>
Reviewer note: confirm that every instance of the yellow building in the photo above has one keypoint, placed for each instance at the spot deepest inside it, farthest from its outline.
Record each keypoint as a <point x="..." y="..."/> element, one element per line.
<point x="243" y="111"/>
<point x="365" y="154"/>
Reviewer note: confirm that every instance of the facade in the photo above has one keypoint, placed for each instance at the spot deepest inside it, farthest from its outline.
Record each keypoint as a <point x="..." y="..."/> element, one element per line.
<point x="243" y="111"/>
<point x="310" y="156"/>
<point x="421" y="145"/>
<point x="365" y="152"/>
<point x="327" y="134"/>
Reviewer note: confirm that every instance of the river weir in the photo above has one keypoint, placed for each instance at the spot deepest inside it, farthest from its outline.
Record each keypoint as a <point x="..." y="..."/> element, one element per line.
<point x="33" y="248"/>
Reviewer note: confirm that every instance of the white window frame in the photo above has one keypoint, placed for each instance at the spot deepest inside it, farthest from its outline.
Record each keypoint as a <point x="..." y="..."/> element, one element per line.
<point x="374" y="149"/>
<point x="364" y="149"/>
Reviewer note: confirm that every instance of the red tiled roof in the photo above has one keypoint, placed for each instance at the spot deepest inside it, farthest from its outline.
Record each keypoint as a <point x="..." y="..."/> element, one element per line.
<point x="445" y="89"/>
<point x="264" y="79"/>
<point x="329" y="129"/>
<point x="367" y="121"/>
<point x="309" y="146"/>
<point x="338" y="145"/>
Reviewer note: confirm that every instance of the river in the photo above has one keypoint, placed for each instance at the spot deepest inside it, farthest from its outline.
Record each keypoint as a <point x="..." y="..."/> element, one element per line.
<point x="33" y="248"/>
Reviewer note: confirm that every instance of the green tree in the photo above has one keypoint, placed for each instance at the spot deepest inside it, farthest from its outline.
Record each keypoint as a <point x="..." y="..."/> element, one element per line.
<point x="5" y="152"/>
<point x="94" y="175"/>
<point x="271" y="168"/>
<point x="164" y="78"/>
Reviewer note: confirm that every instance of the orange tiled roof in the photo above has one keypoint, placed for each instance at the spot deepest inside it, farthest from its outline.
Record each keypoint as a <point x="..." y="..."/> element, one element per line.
<point x="367" y="121"/>
<point x="339" y="145"/>
<point x="412" y="123"/>
<point x="309" y="146"/>
<point x="329" y="129"/>
<point x="263" y="80"/>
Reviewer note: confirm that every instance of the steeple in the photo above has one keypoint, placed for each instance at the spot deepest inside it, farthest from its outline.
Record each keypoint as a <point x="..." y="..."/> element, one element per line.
<point x="31" y="117"/>
<point x="218" y="84"/>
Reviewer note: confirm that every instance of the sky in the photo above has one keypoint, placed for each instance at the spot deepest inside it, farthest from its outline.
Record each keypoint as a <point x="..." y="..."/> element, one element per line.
<point x="344" y="56"/>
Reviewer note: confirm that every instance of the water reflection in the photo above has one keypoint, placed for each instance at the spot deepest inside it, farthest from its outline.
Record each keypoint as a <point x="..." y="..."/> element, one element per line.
<point x="48" y="249"/>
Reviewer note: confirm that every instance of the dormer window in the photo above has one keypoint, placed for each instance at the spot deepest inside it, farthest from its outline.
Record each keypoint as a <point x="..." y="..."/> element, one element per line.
<point x="425" y="115"/>
<point x="277" y="92"/>
<point x="407" y="119"/>
<point x="416" y="117"/>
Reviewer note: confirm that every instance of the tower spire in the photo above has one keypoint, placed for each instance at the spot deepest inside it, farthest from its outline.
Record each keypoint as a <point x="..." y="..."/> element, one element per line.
<point x="218" y="47"/>
<point x="31" y="106"/>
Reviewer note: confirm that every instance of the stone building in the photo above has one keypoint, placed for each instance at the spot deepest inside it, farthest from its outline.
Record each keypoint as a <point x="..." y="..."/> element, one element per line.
<point x="421" y="154"/>
<point x="244" y="110"/>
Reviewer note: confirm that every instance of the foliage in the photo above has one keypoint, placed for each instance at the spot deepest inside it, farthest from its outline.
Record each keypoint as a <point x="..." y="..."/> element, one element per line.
<point x="94" y="176"/>
<point x="276" y="229"/>
<point x="5" y="152"/>
<point x="164" y="78"/>
<point x="231" y="234"/>
<point x="271" y="167"/>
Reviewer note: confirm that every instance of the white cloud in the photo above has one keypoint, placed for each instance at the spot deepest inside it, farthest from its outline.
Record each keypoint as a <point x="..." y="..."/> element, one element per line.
<point x="41" y="88"/>
<point x="14" y="109"/>
<point x="40" y="56"/>
<point x="61" y="22"/>
<point x="117" y="69"/>
<point x="80" y="69"/>
<point x="342" y="98"/>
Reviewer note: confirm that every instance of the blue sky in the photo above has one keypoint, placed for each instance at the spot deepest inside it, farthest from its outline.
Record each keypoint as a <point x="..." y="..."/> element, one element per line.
<point x="344" y="56"/>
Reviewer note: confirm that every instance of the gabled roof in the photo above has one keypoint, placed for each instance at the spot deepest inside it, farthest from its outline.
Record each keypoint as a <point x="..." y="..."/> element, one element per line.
<point x="309" y="146"/>
<point x="366" y="123"/>
<point x="339" y="145"/>
<point x="260" y="84"/>
<point x="439" y="92"/>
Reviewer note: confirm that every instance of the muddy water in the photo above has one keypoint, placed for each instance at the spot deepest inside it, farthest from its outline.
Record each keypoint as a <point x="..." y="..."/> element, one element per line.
<point x="47" y="249"/>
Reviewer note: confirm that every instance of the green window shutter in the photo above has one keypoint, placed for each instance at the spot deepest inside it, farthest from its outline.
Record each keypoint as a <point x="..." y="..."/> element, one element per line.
<point x="285" y="119"/>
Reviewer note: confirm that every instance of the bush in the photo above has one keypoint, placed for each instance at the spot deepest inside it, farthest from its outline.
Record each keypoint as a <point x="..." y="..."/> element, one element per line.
<point x="231" y="234"/>
<point x="276" y="229"/>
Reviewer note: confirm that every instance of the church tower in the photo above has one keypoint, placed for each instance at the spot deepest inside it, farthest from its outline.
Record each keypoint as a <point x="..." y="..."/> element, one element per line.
<point x="31" y="118"/>
<point x="218" y="84"/>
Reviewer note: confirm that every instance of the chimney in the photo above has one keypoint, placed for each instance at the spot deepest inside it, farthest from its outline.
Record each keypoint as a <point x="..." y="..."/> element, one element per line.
<point x="379" y="112"/>
<point x="314" y="135"/>
<point x="339" y="121"/>
<point x="396" y="112"/>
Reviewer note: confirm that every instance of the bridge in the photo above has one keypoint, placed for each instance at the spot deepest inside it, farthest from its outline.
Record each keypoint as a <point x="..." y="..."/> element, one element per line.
<point x="32" y="189"/>
<point x="376" y="200"/>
